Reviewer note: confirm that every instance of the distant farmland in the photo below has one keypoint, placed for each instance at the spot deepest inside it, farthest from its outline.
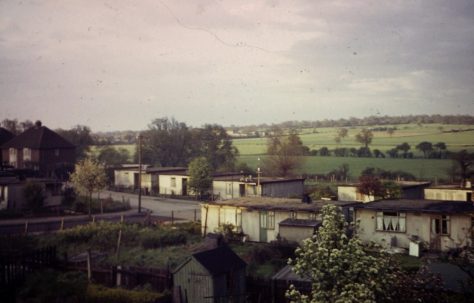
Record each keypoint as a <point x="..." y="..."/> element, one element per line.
<point x="456" y="137"/>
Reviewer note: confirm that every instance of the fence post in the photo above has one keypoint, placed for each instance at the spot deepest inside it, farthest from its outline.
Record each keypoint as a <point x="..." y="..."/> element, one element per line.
<point x="62" y="224"/>
<point x="26" y="227"/>
<point x="89" y="271"/>
<point x="172" y="217"/>
<point x="195" y="215"/>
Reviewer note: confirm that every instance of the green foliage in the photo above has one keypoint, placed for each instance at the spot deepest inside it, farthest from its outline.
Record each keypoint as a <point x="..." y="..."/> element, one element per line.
<point x="109" y="205"/>
<point x="284" y="154"/>
<point x="365" y="137"/>
<point x="168" y="142"/>
<point x="101" y="294"/>
<point x="88" y="177"/>
<point x="80" y="136"/>
<point x="200" y="179"/>
<point x="52" y="286"/>
<point x="152" y="239"/>
<point x="319" y="192"/>
<point x="338" y="267"/>
<point x="109" y="155"/>
<point x="34" y="195"/>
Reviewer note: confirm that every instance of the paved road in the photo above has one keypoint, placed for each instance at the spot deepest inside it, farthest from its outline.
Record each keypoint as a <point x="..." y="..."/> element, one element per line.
<point x="162" y="209"/>
<point x="165" y="207"/>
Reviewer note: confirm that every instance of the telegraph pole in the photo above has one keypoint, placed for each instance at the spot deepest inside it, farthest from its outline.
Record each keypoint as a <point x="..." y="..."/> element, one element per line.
<point x="139" y="173"/>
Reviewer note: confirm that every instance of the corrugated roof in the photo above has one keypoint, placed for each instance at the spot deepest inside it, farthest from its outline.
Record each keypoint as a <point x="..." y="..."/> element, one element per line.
<point x="219" y="260"/>
<point x="425" y="206"/>
<point x="38" y="137"/>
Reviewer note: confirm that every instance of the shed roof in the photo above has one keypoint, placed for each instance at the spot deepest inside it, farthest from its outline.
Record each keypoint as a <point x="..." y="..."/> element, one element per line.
<point x="160" y="170"/>
<point x="270" y="203"/>
<point x="402" y="184"/>
<point x="253" y="179"/>
<point x="219" y="260"/>
<point x="425" y="206"/>
<point x="38" y="137"/>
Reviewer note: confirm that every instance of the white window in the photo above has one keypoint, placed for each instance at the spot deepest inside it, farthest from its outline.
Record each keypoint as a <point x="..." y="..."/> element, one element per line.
<point x="228" y="189"/>
<point x="267" y="220"/>
<point x="12" y="156"/>
<point x="391" y="221"/>
<point x="312" y="216"/>
<point x="440" y="225"/>
<point x="173" y="182"/>
<point x="26" y="154"/>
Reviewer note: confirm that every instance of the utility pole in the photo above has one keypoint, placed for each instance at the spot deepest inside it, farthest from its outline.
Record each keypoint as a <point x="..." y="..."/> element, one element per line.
<point x="139" y="173"/>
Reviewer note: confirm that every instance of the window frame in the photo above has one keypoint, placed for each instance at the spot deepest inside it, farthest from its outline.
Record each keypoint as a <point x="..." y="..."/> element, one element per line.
<point x="441" y="225"/>
<point x="384" y="219"/>
<point x="173" y="182"/>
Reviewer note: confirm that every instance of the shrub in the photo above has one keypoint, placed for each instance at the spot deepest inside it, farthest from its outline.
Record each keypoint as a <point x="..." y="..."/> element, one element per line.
<point x="156" y="239"/>
<point x="101" y="294"/>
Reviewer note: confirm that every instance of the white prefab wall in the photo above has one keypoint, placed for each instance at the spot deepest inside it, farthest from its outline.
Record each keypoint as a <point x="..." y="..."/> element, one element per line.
<point x="417" y="224"/>
<point x="446" y="194"/>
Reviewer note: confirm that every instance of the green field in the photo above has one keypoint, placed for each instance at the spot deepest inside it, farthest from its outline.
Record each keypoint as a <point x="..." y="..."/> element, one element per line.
<point x="410" y="133"/>
<point x="424" y="169"/>
<point x="253" y="148"/>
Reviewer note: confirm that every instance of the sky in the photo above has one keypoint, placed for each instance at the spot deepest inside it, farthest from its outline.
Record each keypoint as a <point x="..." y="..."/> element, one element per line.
<point x="117" y="65"/>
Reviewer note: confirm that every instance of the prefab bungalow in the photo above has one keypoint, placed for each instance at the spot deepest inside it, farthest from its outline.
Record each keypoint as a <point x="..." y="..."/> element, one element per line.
<point x="236" y="186"/>
<point x="438" y="225"/>
<point x="216" y="275"/>
<point x="409" y="190"/>
<point x="262" y="219"/>
<point x="449" y="193"/>
<point x="126" y="177"/>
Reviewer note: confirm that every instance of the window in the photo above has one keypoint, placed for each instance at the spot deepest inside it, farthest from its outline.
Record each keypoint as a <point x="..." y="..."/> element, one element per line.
<point x="292" y="214"/>
<point x="267" y="220"/>
<point x="12" y="156"/>
<point x="440" y="225"/>
<point x="228" y="189"/>
<point x="312" y="216"/>
<point x="391" y="221"/>
<point x="173" y="182"/>
<point x="26" y="154"/>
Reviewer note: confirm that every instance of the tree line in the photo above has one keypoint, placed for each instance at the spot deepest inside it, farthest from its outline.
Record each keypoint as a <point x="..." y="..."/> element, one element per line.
<point x="367" y="121"/>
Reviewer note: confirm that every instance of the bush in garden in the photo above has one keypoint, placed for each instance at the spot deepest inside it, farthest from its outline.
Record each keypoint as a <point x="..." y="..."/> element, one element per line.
<point x="156" y="239"/>
<point x="101" y="294"/>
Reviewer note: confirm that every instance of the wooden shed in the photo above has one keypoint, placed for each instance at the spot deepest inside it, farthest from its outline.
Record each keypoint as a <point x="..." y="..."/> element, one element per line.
<point x="216" y="275"/>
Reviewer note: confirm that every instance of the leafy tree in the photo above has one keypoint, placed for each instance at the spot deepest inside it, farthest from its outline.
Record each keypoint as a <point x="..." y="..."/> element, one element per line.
<point x="465" y="160"/>
<point x="370" y="186"/>
<point x="167" y="142"/>
<point x="342" y="132"/>
<point x="16" y="127"/>
<point x="425" y="147"/>
<point x="80" y="136"/>
<point x="341" y="173"/>
<point x="404" y="147"/>
<point x="440" y="149"/>
<point x="378" y="154"/>
<point x="111" y="156"/>
<point x="284" y="155"/>
<point x="200" y="176"/>
<point x="216" y="145"/>
<point x="393" y="153"/>
<point x="365" y="137"/>
<point x="88" y="177"/>
<point x="338" y="267"/>
<point x="34" y="195"/>
<point x="324" y="151"/>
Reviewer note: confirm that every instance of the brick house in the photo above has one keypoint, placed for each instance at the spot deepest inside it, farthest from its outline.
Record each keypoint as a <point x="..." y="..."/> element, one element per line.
<point x="39" y="149"/>
<point x="5" y="136"/>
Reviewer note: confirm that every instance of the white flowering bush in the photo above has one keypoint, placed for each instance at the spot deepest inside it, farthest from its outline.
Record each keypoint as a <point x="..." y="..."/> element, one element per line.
<point x="339" y="269"/>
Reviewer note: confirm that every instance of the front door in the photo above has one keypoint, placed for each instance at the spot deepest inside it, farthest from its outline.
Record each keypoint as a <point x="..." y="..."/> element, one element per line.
<point x="184" y="186"/>
<point x="242" y="190"/>
<point x="263" y="226"/>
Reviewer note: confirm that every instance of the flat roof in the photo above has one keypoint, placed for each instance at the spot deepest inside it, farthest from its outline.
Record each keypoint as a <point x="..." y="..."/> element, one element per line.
<point x="263" y="180"/>
<point x="165" y="169"/>
<point x="268" y="203"/>
<point x="425" y="206"/>
<point x="450" y="187"/>
<point x="402" y="184"/>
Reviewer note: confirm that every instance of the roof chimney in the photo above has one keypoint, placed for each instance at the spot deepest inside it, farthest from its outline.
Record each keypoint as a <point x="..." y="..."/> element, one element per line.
<point x="38" y="124"/>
